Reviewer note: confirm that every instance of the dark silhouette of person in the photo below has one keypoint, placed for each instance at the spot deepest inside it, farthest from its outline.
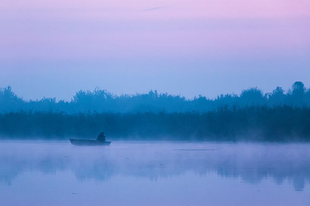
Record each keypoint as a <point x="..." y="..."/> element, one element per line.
<point x="101" y="137"/>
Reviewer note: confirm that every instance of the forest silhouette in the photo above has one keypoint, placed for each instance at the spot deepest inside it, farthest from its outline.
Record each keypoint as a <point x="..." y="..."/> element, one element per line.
<point x="251" y="116"/>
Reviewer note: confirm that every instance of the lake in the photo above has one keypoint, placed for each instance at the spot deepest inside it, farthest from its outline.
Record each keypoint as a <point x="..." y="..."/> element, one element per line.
<point x="154" y="173"/>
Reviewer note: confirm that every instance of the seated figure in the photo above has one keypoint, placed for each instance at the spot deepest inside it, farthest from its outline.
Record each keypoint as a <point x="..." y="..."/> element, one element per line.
<point x="101" y="137"/>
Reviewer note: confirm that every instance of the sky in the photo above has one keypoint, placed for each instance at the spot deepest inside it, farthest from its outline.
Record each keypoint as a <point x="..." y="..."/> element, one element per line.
<point x="53" y="48"/>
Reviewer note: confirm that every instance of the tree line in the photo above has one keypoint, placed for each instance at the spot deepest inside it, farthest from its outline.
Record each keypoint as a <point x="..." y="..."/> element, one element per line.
<point x="103" y="101"/>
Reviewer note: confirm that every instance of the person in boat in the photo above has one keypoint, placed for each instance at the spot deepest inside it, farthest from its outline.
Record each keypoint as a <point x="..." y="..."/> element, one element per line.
<point x="101" y="137"/>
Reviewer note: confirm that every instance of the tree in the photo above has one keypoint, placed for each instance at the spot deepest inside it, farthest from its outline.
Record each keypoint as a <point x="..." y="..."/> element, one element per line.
<point x="297" y="94"/>
<point x="277" y="97"/>
<point x="252" y="96"/>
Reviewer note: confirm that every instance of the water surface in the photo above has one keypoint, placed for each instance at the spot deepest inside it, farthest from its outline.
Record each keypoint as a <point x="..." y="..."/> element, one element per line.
<point x="154" y="173"/>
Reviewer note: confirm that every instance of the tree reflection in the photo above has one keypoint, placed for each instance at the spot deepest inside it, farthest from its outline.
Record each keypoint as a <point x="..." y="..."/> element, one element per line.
<point x="251" y="162"/>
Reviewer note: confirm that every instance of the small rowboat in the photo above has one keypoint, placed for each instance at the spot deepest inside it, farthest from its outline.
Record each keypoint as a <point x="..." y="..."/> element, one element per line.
<point x="82" y="142"/>
<point x="100" y="141"/>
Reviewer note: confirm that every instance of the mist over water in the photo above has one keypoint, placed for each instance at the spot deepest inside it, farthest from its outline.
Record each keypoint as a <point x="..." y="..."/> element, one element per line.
<point x="154" y="173"/>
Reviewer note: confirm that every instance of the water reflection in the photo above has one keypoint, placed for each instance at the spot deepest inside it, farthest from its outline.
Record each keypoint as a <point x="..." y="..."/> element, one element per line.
<point x="251" y="162"/>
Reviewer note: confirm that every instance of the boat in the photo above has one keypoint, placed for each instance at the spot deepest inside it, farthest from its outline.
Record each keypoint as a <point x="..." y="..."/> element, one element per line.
<point x="100" y="141"/>
<point x="82" y="142"/>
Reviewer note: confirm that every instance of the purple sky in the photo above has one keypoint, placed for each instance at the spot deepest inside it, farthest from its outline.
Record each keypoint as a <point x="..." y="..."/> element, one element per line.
<point x="53" y="48"/>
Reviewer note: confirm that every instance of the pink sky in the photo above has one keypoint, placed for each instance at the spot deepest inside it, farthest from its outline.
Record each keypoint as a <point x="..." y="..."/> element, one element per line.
<point x="99" y="29"/>
<point x="166" y="32"/>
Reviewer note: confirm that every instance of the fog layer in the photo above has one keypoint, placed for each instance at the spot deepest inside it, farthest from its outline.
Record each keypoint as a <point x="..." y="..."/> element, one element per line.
<point x="278" y="163"/>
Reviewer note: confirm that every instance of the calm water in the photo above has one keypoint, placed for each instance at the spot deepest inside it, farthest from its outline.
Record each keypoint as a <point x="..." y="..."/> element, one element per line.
<point x="150" y="173"/>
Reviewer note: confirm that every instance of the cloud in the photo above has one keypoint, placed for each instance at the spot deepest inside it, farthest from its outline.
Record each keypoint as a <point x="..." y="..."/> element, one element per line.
<point x="155" y="8"/>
